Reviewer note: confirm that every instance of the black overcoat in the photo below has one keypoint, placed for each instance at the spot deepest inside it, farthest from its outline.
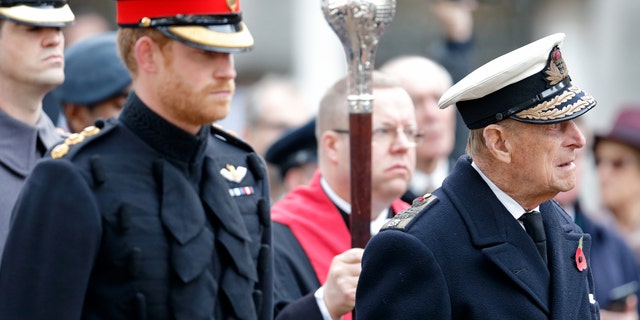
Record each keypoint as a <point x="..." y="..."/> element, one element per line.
<point x="464" y="256"/>
<point x="141" y="221"/>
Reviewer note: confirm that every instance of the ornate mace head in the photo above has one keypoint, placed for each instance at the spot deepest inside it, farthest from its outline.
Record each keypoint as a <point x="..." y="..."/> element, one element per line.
<point x="359" y="24"/>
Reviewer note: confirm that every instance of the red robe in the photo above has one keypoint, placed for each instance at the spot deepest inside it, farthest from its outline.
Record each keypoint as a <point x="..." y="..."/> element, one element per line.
<point x="317" y="224"/>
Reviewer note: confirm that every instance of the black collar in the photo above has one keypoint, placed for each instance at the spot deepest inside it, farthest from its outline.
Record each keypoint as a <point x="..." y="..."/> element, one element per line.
<point x="171" y="141"/>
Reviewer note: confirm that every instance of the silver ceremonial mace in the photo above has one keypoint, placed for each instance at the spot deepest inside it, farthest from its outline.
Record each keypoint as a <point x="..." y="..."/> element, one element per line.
<point x="360" y="24"/>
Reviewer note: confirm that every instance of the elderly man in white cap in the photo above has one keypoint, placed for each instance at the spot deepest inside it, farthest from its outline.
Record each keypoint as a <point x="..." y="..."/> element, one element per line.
<point x="489" y="244"/>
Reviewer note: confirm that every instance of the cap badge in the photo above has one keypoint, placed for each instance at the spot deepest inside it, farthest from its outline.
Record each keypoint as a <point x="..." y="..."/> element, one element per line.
<point x="145" y="22"/>
<point x="557" y="70"/>
<point x="233" y="5"/>
<point x="234" y="174"/>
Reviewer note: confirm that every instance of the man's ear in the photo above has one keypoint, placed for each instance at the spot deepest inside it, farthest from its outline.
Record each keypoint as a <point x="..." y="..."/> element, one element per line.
<point x="147" y="53"/>
<point x="497" y="142"/>
<point x="330" y="144"/>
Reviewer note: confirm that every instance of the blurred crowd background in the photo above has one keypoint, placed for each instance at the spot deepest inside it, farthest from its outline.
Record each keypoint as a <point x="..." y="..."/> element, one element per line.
<point x="293" y="39"/>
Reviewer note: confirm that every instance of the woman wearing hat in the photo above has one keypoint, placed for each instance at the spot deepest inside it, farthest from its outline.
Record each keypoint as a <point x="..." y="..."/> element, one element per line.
<point x="617" y="157"/>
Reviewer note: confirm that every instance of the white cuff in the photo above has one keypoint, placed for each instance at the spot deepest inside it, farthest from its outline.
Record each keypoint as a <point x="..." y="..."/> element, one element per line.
<point x="319" y="295"/>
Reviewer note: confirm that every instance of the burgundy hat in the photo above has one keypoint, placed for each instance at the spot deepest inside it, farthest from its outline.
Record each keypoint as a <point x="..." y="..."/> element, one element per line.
<point x="626" y="128"/>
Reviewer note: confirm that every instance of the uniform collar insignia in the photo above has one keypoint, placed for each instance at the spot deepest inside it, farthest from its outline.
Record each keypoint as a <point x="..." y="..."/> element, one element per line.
<point x="234" y="174"/>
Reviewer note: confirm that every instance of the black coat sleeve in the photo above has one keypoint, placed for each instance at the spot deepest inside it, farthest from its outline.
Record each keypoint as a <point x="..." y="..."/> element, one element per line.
<point x="295" y="280"/>
<point x="54" y="237"/>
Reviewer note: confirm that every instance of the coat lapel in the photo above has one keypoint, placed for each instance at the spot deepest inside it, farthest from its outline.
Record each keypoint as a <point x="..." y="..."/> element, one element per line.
<point x="497" y="234"/>
<point x="231" y="233"/>
<point x="563" y="239"/>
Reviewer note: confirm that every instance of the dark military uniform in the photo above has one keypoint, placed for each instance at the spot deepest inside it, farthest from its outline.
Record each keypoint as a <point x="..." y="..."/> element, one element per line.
<point x="459" y="254"/>
<point x="141" y="221"/>
<point x="462" y="252"/>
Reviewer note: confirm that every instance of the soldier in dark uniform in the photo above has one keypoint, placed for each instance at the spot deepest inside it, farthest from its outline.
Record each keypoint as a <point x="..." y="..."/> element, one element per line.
<point x="156" y="214"/>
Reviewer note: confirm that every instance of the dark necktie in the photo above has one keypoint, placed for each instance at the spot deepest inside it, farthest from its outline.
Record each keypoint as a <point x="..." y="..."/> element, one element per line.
<point x="533" y="224"/>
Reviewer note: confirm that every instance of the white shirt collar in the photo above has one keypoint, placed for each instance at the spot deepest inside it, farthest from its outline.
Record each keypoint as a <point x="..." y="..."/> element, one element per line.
<point x="335" y="198"/>
<point x="511" y="205"/>
<point x="376" y="224"/>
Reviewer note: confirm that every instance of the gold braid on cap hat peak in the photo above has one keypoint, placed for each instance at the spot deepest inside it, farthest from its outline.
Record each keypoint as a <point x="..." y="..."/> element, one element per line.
<point x="557" y="72"/>
<point x="548" y="111"/>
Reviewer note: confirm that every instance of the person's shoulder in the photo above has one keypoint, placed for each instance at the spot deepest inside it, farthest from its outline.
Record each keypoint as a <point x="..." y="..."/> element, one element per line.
<point x="230" y="139"/>
<point x="74" y="143"/>
<point x="403" y="220"/>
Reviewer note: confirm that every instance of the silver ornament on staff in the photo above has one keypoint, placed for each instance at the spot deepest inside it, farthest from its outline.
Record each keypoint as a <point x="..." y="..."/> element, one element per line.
<point x="359" y="24"/>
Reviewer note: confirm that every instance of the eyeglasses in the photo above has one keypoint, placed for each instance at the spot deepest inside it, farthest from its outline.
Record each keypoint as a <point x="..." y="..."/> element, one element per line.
<point x="386" y="135"/>
<point x="616" y="164"/>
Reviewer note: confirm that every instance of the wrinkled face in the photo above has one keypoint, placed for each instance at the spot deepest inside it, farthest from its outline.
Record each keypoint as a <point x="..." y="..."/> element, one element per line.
<point x="31" y="55"/>
<point x="543" y="156"/>
<point x="568" y="198"/>
<point x="196" y="86"/>
<point x="438" y="125"/>
<point x="618" y="172"/>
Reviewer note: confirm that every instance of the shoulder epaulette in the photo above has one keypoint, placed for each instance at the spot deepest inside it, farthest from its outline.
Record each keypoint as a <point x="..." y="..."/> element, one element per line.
<point x="402" y="219"/>
<point x="74" y="141"/>
<point x="230" y="137"/>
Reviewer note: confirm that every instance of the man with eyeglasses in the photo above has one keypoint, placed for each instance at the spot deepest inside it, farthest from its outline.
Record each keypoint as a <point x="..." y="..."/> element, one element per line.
<point x="316" y="272"/>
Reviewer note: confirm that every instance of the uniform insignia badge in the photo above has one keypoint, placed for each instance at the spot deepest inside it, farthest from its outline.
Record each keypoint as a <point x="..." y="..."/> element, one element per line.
<point x="232" y="5"/>
<point x="234" y="174"/>
<point x="241" y="191"/>
<point x="90" y="131"/>
<point x="59" y="151"/>
<point x="402" y="219"/>
<point x="73" y="139"/>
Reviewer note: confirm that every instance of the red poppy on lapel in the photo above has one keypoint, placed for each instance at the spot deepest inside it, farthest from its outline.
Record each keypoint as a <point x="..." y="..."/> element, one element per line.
<point x="581" y="260"/>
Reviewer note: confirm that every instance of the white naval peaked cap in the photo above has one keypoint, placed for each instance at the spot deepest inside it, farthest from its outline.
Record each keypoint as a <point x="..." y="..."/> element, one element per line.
<point x="530" y="84"/>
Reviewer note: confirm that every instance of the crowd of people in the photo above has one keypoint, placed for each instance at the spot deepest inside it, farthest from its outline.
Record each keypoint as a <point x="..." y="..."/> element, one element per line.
<point x="121" y="198"/>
